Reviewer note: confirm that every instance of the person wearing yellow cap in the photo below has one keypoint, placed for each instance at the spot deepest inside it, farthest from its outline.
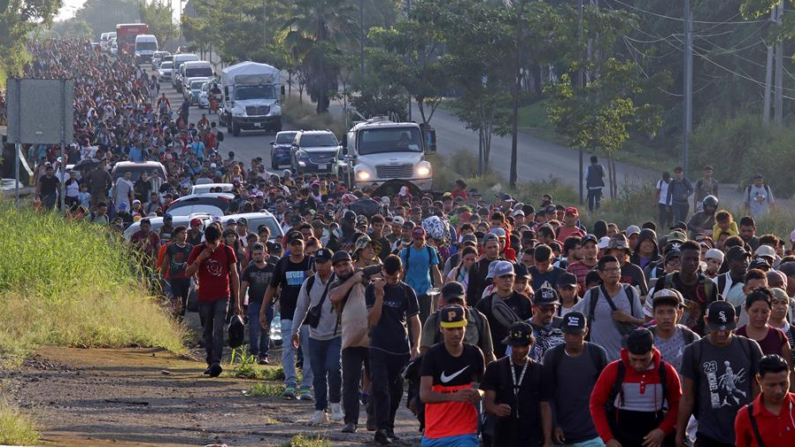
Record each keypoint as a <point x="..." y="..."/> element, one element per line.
<point x="448" y="386"/>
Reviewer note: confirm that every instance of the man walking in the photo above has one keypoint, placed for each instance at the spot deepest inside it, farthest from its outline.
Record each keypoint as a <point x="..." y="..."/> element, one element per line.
<point x="504" y="306"/>
<point x="770" y="419"/>
<point x="255" y="279"/>
<point x="391" y="304"/>
<point x="571" y="372"/>
<point x="47" y="188"/>
<point x="174" y="266"/>
<point x="663" y="200"/>
<point x="594" y="181"/>
<point x="758" y="197"/>
<point x="705" y="186"/>
<point x="717" y="376"/>
<point x="421" y="263"/>
<point x="216" y="266"/>
<point x="324" y="343"/>
<point x="679" y="191"/>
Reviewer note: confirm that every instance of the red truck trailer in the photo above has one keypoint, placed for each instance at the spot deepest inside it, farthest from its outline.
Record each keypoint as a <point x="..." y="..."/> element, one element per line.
<point x="125" y="36"/>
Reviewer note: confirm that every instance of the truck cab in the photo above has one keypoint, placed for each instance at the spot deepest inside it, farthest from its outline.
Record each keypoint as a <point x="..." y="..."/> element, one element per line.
<point x="251" y="93"/>
<point x="379" y="150"/>
<point x="145" y="47"/>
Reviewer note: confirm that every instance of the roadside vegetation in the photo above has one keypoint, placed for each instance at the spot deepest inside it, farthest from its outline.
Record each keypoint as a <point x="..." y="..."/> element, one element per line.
<point x="16" y="428"/>
<point x="68" y="284"/>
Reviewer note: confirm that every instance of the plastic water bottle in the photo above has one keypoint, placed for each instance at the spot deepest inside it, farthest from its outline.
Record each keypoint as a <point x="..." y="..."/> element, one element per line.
<point x="276" y="330"/>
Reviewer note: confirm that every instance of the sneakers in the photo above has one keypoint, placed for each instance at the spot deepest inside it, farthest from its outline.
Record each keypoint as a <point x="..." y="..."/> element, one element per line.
<point x="391" y="434"/>
<point x="320" y="417"/>
<point x="336" y="412"/>
<point x="350" y="427"/>
<point x="382" y="438"/>
<point x="215" y="370"/>
<point x="207" y="371"/>
<point x="263" y="361"/>
<point x="288" y="393"/>
<point x="305" y="394"/>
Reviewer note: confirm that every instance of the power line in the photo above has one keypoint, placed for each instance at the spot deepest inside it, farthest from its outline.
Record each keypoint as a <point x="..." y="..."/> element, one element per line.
<point x="679" y="19"/>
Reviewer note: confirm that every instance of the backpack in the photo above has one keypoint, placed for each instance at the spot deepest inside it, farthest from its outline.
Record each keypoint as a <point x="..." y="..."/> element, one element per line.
<point x="220" y="136"/>
<point x="668" y="283"/>
<point x="616" y="392"/>
<point x="430" y="256"/>
<point x="748" y="192"/>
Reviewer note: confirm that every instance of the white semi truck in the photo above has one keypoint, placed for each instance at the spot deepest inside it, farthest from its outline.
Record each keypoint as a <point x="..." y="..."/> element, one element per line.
<point x="251" y="93"/>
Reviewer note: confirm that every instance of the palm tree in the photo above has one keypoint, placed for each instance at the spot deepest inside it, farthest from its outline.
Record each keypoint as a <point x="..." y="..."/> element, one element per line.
<point x="314" y="30"/>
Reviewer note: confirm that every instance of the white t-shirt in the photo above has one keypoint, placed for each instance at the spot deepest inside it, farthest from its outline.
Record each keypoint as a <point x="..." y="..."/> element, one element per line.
<point x="662" y="187"/>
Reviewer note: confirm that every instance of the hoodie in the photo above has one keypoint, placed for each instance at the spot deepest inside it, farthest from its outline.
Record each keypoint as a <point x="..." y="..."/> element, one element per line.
<point x="642" y="392"/>
<point x="645" y="234"/>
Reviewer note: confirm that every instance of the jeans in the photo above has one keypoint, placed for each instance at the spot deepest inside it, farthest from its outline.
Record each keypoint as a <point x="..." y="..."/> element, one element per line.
<point x="48" y="201"/>
<point x="680" y="211"/>
<point x="180" y="287"/>
<point x="387" y="384"/>
<point x="325" y="358"/>
<point x="595" y="442"/>
<point x="594" y="199"/>
<point x="288" y="356"/>
<point x="425" y="307"/>
<point x="259" y="340"/>
<point x="664" y="218"/>
<point x="213" y="315"/>
<point x="352" y="361"/>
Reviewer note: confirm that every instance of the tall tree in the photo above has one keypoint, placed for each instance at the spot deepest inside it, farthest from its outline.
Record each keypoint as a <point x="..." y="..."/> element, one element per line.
<point x="17" y="20"/>
<point x="104" y="15"/>
<point x="160" y="18"/>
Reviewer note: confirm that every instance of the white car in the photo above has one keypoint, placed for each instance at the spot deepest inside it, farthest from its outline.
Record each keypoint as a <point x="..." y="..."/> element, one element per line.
<point x="205" y="188"/>
<point x="255" y="220"/>
<point x="165" y="71"/>
<point x="157" y="223"/>
<point x="114" y="47"/>
<point x="158" y="56"/>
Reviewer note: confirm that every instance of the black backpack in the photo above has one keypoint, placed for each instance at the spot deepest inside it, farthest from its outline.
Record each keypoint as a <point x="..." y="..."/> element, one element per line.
<point x="616" y="392"/>
<point x="559" y="351"/>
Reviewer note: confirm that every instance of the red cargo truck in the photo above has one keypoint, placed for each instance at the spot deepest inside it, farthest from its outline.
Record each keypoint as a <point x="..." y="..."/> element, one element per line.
<point x="125" y="36"/>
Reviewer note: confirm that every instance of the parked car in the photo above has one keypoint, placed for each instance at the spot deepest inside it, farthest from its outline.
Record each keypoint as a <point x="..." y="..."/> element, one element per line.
<point x="255" y="220"/>
<point x="157" y="223"/>
<point x="315" y="151"/>
<point x="215" y="204"/>
<point x="158" y="56"/>
<point x="205" y="188"/>
<point x="280" y="149"/>
<point x="165" y="71"/>
<point x="192" y="88"/>
<point x="152" y="168"/>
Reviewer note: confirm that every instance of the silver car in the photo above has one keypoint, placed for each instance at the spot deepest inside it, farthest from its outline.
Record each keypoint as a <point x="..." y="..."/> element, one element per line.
<point x="165" y="71"/>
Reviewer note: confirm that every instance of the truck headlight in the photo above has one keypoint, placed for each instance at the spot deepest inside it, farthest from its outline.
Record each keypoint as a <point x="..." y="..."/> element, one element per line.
<point x="275" y="110"/>
<point x="424" y="169"/>
<point x="238" y="112"/>
<point x="363" y="176"/>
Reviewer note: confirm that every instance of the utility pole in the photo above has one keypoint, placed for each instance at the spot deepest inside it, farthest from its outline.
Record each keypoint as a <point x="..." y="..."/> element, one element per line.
<point x="580" y="85"/>
<point x="769" y="76"/>
<point x="408" y="17"/>
<point x="361" y="37"/>
<point x="778" y="117"/>
<point x="517" y="88"/>
<point x="687" y="125"/>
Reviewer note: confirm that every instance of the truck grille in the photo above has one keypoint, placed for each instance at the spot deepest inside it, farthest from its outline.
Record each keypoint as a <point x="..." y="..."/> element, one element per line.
<point x="321" y="158"/>
<point x="257" y="111"/>
<point x="394" y="171"/>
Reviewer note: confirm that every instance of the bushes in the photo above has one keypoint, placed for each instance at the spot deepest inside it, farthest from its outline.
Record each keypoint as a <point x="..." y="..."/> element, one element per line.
<point x="70" y="284"/>
<point x="303" y="116"/>
<point x="15" y="427"/>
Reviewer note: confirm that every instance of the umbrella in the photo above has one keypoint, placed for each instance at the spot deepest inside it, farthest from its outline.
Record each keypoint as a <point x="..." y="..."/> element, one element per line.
<point x="86" y="164"/>
<point x="392" y="187"/>
<point x="367" y="207"/>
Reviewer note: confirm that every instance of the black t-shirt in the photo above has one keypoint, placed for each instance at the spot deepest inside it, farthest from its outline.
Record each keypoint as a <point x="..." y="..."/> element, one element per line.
<point x="49" y="185"/>
<point x="523" y="426"/>
<point x="142" y="190"/>
<point x="551" y="277"/>
<point x="290" y="276"/>
<point x="258" y="280"/>
<point x="400" y="303"/>
<point x="697" y="298"/>
<point x="195" y="240"/>
<point x="519" y="304"/>
<point x="177" y="260"/>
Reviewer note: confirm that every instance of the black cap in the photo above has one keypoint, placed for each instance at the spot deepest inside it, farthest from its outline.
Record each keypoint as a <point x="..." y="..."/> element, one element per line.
<point x="573" y="323"/>
<point x="243" y="222"/>
<point x="640" y="341"/>
<point x="452" y="317"/>
<point x="340" y="256"/>
<point x="295" y="219"/>
<point x="349" y="216"/>
<point x="519" y="334"/>
<point x="589" y="238"/>
<point x="545" y="296"/>
<point x="567" y="279"/>
<point x="453" y="290"/>
<point x="721" y="316"/>
<point x="294" y="236"/>
<point x="679" y="226"/>
<point x="759" y="264"/>
<point x="737" y="252"/>
<point x="521" y="271"/>
<point x="323" y="255"/>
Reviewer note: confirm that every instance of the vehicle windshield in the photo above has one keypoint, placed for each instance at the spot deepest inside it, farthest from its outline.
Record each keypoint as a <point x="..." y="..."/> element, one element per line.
<point x="167" y="65"/>
<point x="285" y="138"/>
<point x="195" y="85"/>
<point x="243" y="92"/>
<point x="396" y="139"/>
<point x="146" y="45"/>
<point x="319" y="140"/>
<point x="196" y="72"/>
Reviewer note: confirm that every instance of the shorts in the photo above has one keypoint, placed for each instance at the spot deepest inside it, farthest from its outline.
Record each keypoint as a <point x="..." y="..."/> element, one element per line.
<point x="595" y="442"/>
<point x="451" y="441"/>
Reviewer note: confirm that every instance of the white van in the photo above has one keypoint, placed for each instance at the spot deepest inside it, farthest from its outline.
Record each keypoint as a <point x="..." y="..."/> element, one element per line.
<point x="145" y="47"/>
<point x="103" y="41"/>
<point x="179" y="59"/>
<point x="195" y="69"/>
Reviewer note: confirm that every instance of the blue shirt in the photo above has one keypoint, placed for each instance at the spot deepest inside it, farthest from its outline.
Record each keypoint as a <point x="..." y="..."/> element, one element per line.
<point x="136" y="154"/>
<point x="418" y="268"/>
<point x="198" y="149"/>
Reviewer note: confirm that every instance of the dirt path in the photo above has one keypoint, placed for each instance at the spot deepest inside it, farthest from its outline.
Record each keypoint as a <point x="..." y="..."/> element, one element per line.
<point x="147" y="396"/>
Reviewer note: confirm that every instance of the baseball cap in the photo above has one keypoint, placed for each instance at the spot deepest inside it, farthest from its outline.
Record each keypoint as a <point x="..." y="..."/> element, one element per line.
<point x="567" y="279"/>
<point x="340" y="256"/>
<point x="758" y="264"/>
<point x="490" y="269"/>
<point x="195" y="221"/>
<point x="349" y="216"/>
<point x="714" y="253"/>
<point x="521" y="271"/>
<point x="588" y="238"/>
<point x="469" y="238"/>
<point x="503" y="268"/>
<point x="679" y="226"/>
<point x="618" y="242"/>
<point x="737" y="252"/>
<point x="323" y="255"/>
<point x="639" y="341"/>
<point x="294" y="236"/>
<point x="452" y="317"/>
<point x="668" y="296"/>
<point x="604" y="242"/>
<point x="765" y="251"/>
<point x="398" y="220"/>
<point x="123" y="206"/>
<point x="231" y="222"/>
<point x="573" y="323"/>
<point x="721" y="316"/>
<point x="519" y="334"/>
<point x="453" y="290"/>
<point x="671" y="254"/>
<point x="521" y="213"/>
<point x="418" y="233"/>
<point x="676" y="236"/>
<point x="498" y="231"/>
<point x="572" y="210"/>
<point x="545" y="296"/>
<point x="243" y="222"/>
<point x="632" y="230"/>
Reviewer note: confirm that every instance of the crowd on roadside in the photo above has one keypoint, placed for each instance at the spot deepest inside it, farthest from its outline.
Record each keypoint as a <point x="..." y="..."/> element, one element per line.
<point x="510" y="324"/>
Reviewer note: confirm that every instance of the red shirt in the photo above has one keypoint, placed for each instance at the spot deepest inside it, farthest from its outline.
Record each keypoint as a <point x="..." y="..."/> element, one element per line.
<point x="213" y="273"/>
<point x="775" y="430"/>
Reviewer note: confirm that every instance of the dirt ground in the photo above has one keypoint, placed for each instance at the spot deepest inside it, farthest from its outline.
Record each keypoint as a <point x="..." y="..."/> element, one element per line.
<point x="139" y="396"/>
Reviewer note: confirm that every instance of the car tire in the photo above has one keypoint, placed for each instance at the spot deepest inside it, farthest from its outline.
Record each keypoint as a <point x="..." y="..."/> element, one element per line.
<point x="235" y="129"/>
<point x="274" y="164"/>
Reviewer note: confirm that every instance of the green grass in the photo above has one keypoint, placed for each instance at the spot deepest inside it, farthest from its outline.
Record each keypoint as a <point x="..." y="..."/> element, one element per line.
<point x="71" y="284"/>
<point x="272" y="373"/>
<point x="307" y="441"/>
<point x="265" y="390"/>
<point x="16" y="428"/>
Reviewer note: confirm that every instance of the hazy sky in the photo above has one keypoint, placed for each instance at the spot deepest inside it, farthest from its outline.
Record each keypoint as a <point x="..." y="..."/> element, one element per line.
<point x="71" y="6"/>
